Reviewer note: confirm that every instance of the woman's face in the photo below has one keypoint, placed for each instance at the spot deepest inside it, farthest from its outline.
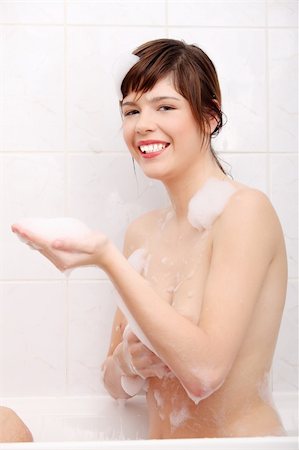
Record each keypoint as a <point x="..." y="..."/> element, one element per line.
<point x="161" y="132"/>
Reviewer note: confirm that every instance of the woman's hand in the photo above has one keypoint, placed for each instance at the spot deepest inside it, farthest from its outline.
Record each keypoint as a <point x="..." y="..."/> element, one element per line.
<point x="134" y="358"/>
<point x="66" y="253"/>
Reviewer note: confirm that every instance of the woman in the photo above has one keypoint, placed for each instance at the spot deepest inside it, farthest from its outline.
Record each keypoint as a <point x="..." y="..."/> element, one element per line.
<point x="210" y="287"/>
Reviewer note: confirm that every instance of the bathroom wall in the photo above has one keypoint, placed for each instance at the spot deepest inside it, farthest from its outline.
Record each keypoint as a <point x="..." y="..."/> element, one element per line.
<point x="61" y="154"/>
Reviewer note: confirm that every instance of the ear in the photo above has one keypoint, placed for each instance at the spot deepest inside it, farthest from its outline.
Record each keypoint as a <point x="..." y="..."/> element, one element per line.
<point x="215" y="118"/>
<point x="212" y="124"/>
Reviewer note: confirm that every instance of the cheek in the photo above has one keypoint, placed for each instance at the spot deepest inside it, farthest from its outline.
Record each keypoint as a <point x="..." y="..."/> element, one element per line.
<point x="128" y="135"/>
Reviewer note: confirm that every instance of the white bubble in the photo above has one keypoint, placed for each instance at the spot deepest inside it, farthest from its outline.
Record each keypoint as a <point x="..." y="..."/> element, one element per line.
<point x="208" y="203"/>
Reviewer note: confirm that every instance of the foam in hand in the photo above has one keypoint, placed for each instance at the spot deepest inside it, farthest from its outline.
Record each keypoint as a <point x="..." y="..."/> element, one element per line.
<point x="52" y="229"/>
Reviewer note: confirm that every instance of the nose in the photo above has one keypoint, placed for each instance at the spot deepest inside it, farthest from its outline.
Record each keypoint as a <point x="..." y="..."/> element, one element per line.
<point x="144" y="123"/>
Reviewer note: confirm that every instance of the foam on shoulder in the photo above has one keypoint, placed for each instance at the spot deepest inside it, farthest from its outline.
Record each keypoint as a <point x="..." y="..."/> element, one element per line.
<point x="209" y="202"/>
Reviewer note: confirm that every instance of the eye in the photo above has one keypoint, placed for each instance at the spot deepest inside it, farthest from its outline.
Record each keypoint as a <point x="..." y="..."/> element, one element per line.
<point x="165" y="108"/>
<point x="130" y="112"/>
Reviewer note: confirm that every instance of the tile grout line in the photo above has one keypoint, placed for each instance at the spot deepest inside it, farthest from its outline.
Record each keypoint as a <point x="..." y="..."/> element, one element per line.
<point x="113" y="25"/>
<point x="267" y="101"/>
<point x="66" y="203"/>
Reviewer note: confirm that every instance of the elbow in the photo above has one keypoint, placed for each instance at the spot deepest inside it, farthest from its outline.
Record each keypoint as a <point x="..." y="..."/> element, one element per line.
<point x="201" y="384"/>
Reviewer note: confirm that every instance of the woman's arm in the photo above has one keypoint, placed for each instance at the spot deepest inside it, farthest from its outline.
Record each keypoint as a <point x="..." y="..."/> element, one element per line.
<point x="246" y="238"/>
<point x="245" y="241"/>
<point x="111" y="369"/>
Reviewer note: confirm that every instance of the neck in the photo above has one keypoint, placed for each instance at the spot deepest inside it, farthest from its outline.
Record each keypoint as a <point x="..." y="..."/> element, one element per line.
<point x="182" y="189"/>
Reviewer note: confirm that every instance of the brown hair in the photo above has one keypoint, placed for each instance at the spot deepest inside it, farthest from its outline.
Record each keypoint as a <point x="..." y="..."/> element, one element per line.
<point x="194" y="77"/>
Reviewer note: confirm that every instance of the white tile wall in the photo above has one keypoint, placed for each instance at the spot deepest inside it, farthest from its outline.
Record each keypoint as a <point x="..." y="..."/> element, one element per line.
<point x="283" y="98"/>
<point x="111" y="13"/>
<point x="32" y="12"/>
<point x="33" y="101"/>
<point x="61" y="153"/>
<point x="284" y="186"/>
<point x="91" y="310"/>
<point x="33" y="186"/>
<point x="215" y="13"/>
<point x="285" y="365"/>
<point x="33" y="336"/>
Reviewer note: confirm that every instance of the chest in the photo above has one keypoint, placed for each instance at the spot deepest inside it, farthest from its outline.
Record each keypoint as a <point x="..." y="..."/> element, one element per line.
<point x="177" y="268"/>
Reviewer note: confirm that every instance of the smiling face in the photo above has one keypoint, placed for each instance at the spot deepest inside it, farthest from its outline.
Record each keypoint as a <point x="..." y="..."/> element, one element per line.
<point x="161" y="132"/>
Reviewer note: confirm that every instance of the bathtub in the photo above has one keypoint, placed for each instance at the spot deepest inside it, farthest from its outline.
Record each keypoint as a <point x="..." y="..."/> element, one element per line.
<point x="101" y="423"/>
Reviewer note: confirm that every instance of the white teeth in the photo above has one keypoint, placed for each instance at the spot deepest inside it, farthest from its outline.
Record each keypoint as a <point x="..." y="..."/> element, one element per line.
<point x="151" y="148"/>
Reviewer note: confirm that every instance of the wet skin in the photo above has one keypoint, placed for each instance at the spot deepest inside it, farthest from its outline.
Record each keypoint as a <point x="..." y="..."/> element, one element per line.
<point x="178" y="265"/>
<point x="209" y="301"/>
<point x="214" y="306"/>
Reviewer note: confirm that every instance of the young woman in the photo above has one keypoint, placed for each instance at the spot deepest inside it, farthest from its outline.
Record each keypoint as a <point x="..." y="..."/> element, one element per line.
<point x="204" y="280"/>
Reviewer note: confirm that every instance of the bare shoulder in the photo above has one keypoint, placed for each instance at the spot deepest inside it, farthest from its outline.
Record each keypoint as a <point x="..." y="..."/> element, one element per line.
<point x="139" y="229"/>
<point x="250" y="213"/>
<point x="250" y="202"/>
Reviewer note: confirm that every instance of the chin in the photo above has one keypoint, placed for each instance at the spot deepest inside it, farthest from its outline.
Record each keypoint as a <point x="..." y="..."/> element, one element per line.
<point x="155" y="175"/>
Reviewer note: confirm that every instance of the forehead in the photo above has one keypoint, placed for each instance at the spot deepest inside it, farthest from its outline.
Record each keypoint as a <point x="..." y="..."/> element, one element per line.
<point x="164" y="87"/>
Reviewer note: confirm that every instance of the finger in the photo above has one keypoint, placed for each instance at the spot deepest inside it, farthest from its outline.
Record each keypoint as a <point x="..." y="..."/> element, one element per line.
<point x="28" y="236"/>
<point x="54" y="260"/>
<point x="62" y="245"/>
<point x="131" y="337"/>
<point x="138" y="349"/>
<point x="71" y="245"/>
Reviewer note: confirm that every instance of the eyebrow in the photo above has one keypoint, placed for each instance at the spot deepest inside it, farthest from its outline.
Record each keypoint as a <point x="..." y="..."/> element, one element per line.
<point x="153" y="100"/>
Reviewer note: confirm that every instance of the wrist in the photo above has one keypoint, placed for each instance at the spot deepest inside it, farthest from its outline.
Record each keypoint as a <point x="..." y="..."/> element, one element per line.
<point x="122" y="360"/>
<point x="105" y="254"/>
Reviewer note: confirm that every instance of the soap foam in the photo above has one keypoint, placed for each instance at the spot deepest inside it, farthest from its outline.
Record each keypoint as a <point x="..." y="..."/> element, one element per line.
<point x="55" y="228"/>
<point x="139" y="259"/>
<point x="209" y="202"/>
<point x="160" y="403"/>
<point x="178" y="417"/>
<point x="133" y="385"/>
<point x="52" y="229"/>
<point x="120" y="69"/>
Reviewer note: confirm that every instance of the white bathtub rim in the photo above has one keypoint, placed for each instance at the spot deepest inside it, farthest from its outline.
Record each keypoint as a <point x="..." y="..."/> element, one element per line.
<point x="97" y="405"/>
<point x="92" y="404"/>
<point x="261" y="443"/>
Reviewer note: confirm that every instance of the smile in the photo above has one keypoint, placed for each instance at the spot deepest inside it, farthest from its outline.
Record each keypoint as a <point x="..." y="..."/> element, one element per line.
<point x="152" y="148"/>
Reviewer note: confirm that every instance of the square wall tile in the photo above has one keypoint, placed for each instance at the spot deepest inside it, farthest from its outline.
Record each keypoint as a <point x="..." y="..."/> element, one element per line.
<point x="285" y="366"/>
<point x="282" y="13"/>
<point x="141" y="12"/>
<point x="33" y="88"/>
<point x="33" y="186"/>
<point x="283" y="90"/>
<point x="33" y="12"/>
<point x="215" y="13"/>
<point x="239" y="56"/>
<point x="94" y="121"/>
<point x="2" y="33"/>
<point x="2" y="256"/>
<point x="248" y="168"/>
<point x="92" y="307"/>
<point x="33" y="339"/>
<point x="284" y="195"/>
